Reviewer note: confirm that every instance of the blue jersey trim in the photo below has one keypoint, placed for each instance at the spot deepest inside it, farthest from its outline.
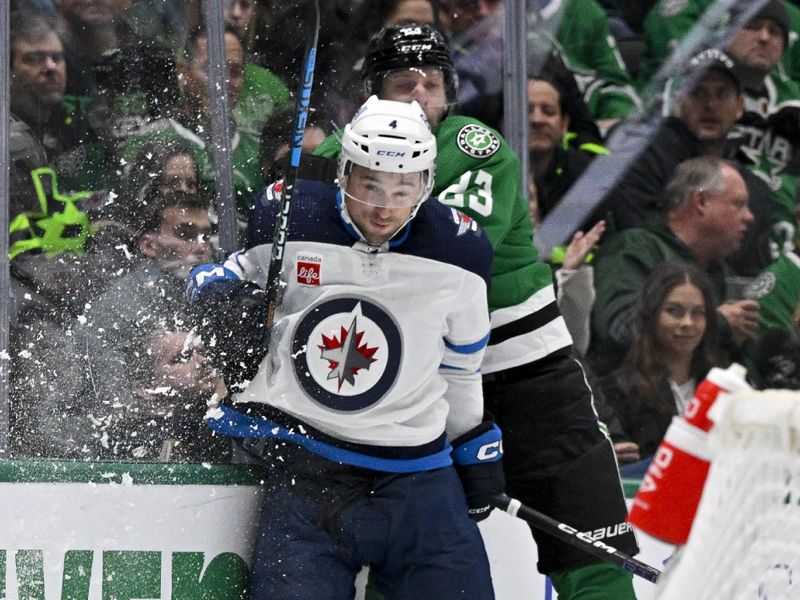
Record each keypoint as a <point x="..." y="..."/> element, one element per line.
<point x="468" y="348"/>
<point x="452" y="368"/>
<point x="402" y="238"/>
<point x="235" y="424"/>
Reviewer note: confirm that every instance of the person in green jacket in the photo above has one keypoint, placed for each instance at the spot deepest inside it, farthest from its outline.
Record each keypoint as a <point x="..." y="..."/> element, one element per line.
<point x="192" y="123"/>
<point x="557" y="458"/>
<point x="706" y="217"/>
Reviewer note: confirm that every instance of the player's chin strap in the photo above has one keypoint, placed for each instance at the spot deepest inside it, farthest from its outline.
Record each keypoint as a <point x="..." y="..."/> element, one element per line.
<point x="572" y="536"/>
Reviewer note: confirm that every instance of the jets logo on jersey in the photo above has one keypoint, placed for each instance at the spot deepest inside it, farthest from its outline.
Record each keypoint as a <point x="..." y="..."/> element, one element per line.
<point x="465" y="222"/>
<point x="346" y="353"/>
<point x="477" y="141"/>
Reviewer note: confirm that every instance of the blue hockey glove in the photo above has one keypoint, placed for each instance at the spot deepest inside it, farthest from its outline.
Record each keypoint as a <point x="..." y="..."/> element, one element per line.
<point x="204" y="275"/>
<point x="477" y="456"/>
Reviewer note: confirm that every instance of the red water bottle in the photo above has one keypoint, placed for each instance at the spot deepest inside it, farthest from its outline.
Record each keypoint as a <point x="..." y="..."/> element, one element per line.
<point x="667" y="499"/>
<point x="718" y="380"/>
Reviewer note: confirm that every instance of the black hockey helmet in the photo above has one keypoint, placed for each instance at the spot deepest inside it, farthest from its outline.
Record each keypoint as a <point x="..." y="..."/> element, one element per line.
<point x="405" y="46"/>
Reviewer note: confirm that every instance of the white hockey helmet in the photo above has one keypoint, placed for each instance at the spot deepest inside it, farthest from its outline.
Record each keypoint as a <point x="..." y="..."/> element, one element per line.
<point x="390" y="136"/>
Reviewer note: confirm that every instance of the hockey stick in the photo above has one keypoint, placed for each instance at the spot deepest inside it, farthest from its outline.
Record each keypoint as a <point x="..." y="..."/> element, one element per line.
<point x="572" y="536"/>
<point x="290" y="177"/>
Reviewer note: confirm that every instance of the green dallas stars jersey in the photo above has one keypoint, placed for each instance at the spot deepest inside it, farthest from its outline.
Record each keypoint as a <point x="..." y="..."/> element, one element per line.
<point x="669" y="21"/>
<point x="588" y="49"/>
<point x="777" y="291"/>
<point x="477" y="173"/>
<point x="769" y="143"/>
<point x="245" y="159"/>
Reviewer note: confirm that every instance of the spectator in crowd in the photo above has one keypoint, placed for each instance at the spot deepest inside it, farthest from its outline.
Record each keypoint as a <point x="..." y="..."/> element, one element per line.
<point x="476" y="30"/>
<point x="766" y="137"/>
<point x="673" y="346"/>
<point x="370" y="18"/>
<point x="168" y="164"/>
<point x="35" y="89"/>
<point x="280" y="46"/>
<point x="706" y="218"/>
<point x="172" y="382"/>
<point x="263" y="93"/>
<point x="625" y="18"/>
<point x="777" y="290"/>
<point x="668" y="22"/>
<point x="163" y="165"/>
<point x="242" y="16"/>
<point x="38" y="70"/>
<point x="173" y="237"/>
<point x="192" y="124"/>
<point x="101" y="32"/>
<point x="45" y="219"/>
<point x="576" y="31"/>
<point x="528" y="356"/>
<point x="90" y="33"/>
<point x="580" y="35"/>
<point x="776" y="360"/>
<point x="705" y="116"/>
<point x="769" y="139"/>
<point x="555" y="166"/>
<point x="61" y="124"/>
<point x="165" y="21"/>
<point x="574" y="277"/>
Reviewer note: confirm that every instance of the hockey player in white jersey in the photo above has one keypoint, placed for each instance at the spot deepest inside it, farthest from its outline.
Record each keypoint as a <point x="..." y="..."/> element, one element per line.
<point x="366" y="409"/>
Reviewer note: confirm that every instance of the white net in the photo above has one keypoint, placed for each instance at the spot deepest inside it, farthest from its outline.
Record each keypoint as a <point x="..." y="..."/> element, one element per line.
<point x="745" y="541"/>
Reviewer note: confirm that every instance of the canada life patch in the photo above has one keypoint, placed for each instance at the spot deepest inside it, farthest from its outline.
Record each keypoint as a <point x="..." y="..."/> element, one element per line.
<point x="309" y="269"/>
<point x="477" y="141"/>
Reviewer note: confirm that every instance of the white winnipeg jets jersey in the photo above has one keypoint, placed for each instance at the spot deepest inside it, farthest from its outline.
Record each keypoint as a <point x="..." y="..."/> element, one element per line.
<point x="373" y="346"/>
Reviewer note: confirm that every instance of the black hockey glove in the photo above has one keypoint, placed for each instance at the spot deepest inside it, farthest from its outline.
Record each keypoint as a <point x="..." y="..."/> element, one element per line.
<point x="231" y="317"/>
<point x="477" y="456"/>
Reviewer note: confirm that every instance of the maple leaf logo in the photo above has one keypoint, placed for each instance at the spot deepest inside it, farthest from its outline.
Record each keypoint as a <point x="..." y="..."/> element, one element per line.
<point x="347" y="356"/>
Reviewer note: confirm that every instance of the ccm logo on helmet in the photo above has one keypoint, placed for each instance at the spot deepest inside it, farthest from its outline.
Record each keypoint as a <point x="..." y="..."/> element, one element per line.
<point x="390" y="153"/>
<point x="490" y="451"/>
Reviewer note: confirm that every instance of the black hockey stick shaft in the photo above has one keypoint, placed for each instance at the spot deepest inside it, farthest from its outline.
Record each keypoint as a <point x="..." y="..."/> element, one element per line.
<point x="290" y="177"/>
<point x="572" y="536"/>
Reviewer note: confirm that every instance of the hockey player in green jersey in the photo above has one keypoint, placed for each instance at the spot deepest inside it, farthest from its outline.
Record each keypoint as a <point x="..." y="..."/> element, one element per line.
<point x="558" y="459"/>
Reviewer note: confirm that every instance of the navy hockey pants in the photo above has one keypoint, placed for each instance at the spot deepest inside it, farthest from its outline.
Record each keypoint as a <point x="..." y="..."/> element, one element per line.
<point x="322" y="521"/>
